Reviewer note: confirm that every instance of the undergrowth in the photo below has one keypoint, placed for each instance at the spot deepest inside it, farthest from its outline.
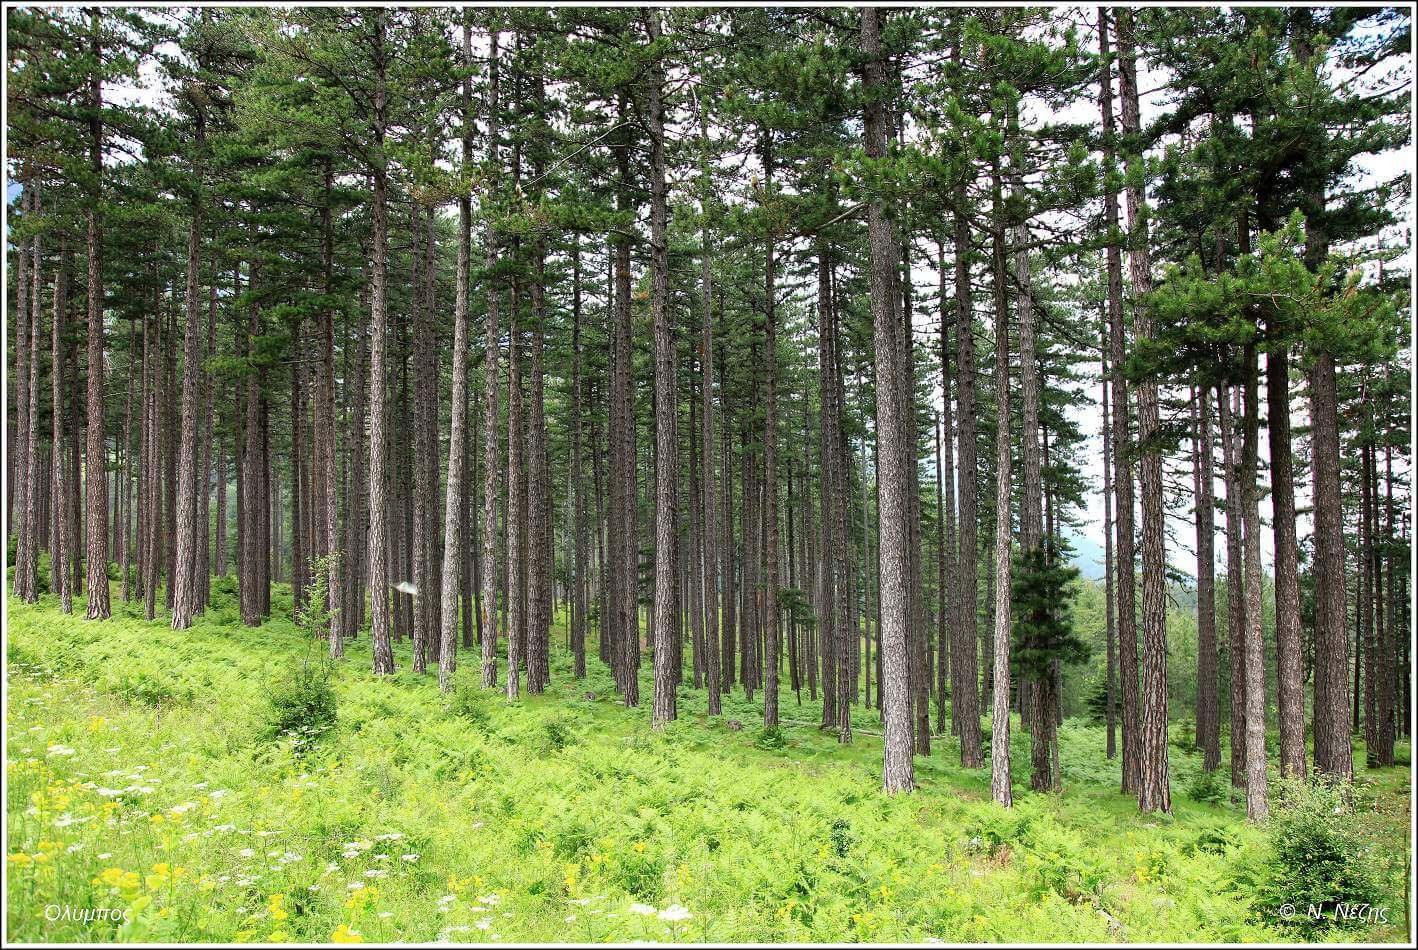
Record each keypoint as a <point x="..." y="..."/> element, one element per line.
<point x="154" y="772"/>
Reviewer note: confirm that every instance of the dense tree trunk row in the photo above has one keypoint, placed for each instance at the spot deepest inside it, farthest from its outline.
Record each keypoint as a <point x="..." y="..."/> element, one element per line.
<point x="724" y="480"/>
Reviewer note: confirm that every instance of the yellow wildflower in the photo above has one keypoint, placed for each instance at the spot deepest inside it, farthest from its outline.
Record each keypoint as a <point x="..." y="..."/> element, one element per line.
<point x="343" y="934"/>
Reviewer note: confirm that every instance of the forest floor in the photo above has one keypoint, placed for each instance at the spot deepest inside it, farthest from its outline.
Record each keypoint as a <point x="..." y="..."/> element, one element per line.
<point x="141" y="788"/>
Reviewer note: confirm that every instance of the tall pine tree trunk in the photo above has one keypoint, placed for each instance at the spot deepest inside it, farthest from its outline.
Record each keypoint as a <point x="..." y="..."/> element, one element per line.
<point x="184" y="578"/>
<point x="454" y="498"/>
<point x="1154" y="789"/>
<point x="894" y="467"/>
<point x="770" y="466"/>
<point x="712" y="585"/>
<point x="539" y="546"/>
<point x="516" y="507"/>
<point x="492" y="467"/>
<point x="1257" y="788"/>
<point x="95" y="486"/>
<point x="1334" y="753"/>
<point x="1109" y="563"/>
<point x="1122" y="445"/>
<point x="1208" y="715"/>
<point x="1290" y="695"/>
<point x="578" y="477"/>
<point x="327" y="517"/>
<point x="1000" y="777"/>
<point x="965" y="692"/>
<point x="663" y="706"/>
<point x="379" y="522"/>
<point x="624" y="553"/>
<point x="1236" y="603"/>
<point x="948" y="679"/>
<point x="427" y="603"/>
<point x="59" y="492"/>
<point x="27" y="568"/>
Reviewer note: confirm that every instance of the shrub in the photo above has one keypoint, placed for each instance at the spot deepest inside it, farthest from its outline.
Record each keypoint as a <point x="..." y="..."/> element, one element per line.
<point x="1318" y="865"/>
<point x="146" y="686"/>
<point x="1058" y="860"/>
<point x="1213" y="839"/>
<point x="770" y="737"/>
<point x="842" y="837"/>
<point x="224" y="586"/>
<point x="470" y="703"/>
<point x="303" y="703"/>
<point x="556" y="735"/>
<point x="991" y="828"/>
<point x="1204" y="786"/>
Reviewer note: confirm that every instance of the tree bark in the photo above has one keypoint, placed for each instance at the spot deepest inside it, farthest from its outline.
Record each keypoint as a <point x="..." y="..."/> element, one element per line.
<point x="516" y="508"/>
<point x="667" y="616"/>
<point x="426" y="602"/>
<point x="1109" y="564"/>
<point x="1208" y="715"/>
<point x="624" y="553"/>
<point x="383" y="655"/>
<point x="95" y="485"/>
<point x="59" y="533"/>
<point x="492" y="468"/>
<point x="27" y="568"/>
<point x="965" y="693"/>
<point x="1236" y="603"/>
<point x="894" y="467"/>
<point x="770" y="468"/>
<point x="184" y="576"/>
<point x="1154" y="789"/>
<point x="1388" y="621"/>
<point x="1000" y="777"/>
<point x="712" y="585"/>
<point x="253" y="552"/>
<point x="1257" y="788"/>
<point x="326" y="518"/>
<point x="1289" y="685"/>
<point x="1038" y="686"/>
<point x="538" y="514"/>
<point x="1122" y="446"/>
<point x="458" y="404"/>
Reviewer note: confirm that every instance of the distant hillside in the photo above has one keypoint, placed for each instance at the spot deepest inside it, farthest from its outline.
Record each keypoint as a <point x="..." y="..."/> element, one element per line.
<point x="1087" y="556"/>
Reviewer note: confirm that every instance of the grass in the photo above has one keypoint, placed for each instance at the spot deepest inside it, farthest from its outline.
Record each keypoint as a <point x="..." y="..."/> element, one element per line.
<point x="139" y="781"/>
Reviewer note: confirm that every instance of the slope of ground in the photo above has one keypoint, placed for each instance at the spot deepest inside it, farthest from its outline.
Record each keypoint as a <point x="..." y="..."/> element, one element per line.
<point x="144" y="804"/>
